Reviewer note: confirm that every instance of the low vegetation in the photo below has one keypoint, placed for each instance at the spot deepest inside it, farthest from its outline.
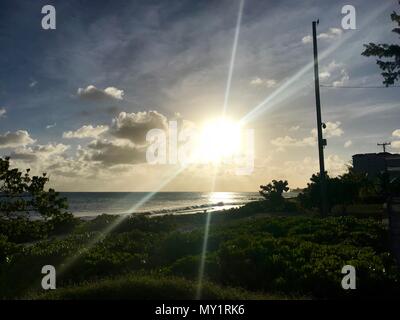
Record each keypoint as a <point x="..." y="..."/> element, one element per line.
<point x="274" y="248"/>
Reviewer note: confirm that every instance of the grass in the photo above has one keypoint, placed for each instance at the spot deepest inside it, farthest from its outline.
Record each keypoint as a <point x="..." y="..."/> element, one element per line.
<point x="147" y="287"/>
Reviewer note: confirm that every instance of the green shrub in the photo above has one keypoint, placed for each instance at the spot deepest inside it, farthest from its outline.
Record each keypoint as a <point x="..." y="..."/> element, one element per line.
<point x="146" y="288"/>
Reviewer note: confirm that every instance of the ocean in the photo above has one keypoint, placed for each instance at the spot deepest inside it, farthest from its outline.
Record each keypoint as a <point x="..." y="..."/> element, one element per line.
<point x="86" y="204"/>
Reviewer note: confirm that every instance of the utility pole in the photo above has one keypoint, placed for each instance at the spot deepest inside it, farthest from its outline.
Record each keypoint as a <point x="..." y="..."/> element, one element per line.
<point x="383" y="145"/>
<point x="321" y="140"/>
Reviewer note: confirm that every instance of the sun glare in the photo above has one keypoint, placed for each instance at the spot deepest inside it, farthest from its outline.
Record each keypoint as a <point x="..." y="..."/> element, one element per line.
<point x="219" y="140"/>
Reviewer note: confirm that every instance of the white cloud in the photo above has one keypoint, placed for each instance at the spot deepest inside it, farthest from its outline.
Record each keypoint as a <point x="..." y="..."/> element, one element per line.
<point x="49" y="126"/>
<point x="335" y="71"/>
<point x="335" y="165"/>
<point x="332" y="129"/>
<point x="114" y="92"/>
<point x="93" y="93"/>
<point x="348" y="143"/>
<point x="269" y="83"/>
<point x="288" y="141"/>
<point x="306" y="39"/>
<point x="86" y="131"/>
<point x="294" y="128"/>
<point x="298" y="170"/>
<point x="396" y="133"/>
<point x="332" y="34"/>
<point x="324" y="75"/>
<point x="15" y="139"/>
<point x="2" y="112"/>
<point x="38" y="152"/>
<point x="332" y="66"/>
<point x="395" y="144"/>
<point x="336" y="31"/>
<point x="343" y="80"/>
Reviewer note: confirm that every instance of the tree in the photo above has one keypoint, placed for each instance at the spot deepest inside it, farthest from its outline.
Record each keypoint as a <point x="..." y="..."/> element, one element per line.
<point x="311" y="196"/>
<point x="346" y="189"/>
<point x="272" y="192"/>
<point x="21" y="194"/>
<point x="388" y="54"/>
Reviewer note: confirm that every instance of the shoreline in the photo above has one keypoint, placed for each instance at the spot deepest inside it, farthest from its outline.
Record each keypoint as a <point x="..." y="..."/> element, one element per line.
<point x="171" y="212"/>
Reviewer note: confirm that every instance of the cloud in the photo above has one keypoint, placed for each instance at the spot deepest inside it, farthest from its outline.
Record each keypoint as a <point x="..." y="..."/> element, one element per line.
<point x="112" y="153"/>
<point x="112" y="110"/>
<point x="15" y="139"/>
<point x="332" y="34"/>
<point x="306" y="39"/>
<point x="49" y="126"/>
<point x="33" y="84"/>
<point x="134" y="126"/>
<point x="294" y="128"/>
<point x="396" y="133"/>
<point x="336" y="71"/>
<point x="38" y="152"/>
<point x="299" y="169"/>
<point x="2" y="112"/>
<point x="335" y="165"/>
<point x="348" y="143"/>
<point x="324" y="75"/>
<point x="92" y="93"/>
<point x="395" y="144"/>
<point x="269" y="83"/>
<point x="86" y="131"/>
<point x="343" y="80"/>
<point x="332" y="129"/>
<point x="288" y="141"/>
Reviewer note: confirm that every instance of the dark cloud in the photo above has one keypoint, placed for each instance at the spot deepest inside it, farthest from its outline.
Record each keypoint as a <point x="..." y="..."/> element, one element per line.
<point x="24" y="156"/>
<point x="38" y="152"/>
<point x="134" y="126"/>
<point x="15" y="139"/>
<point x="112" y="153"/>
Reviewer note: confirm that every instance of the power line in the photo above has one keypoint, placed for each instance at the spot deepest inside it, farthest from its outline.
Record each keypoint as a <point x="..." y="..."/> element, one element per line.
<point x="358" y="87"/>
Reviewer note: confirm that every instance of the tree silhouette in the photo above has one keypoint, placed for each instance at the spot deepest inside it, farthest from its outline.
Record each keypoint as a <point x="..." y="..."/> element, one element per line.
<point x="388" y="54"/>
<point x="273" y="191"/>
<point x="21" y="194"/>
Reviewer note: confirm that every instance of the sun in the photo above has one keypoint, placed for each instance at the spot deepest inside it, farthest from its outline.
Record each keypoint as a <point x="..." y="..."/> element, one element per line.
<point x="219" y="140"/>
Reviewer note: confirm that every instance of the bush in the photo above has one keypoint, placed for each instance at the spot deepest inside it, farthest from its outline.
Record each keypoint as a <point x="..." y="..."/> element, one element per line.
<point x="148" y="287"/>
<point x="294" y="255"/>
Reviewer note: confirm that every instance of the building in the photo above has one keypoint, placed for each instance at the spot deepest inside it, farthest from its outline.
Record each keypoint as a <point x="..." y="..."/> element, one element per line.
<point x="375" y="163"/>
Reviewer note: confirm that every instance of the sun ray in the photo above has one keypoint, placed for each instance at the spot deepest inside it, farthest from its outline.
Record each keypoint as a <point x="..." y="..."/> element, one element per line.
<point x="233" y="57"/>
<point x="71" y="260"/>
<point x="225" y="106"/>
<point x="292" y="86"/>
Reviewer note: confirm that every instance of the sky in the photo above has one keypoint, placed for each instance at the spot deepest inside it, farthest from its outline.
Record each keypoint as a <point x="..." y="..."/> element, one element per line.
<point x="76" y="102"/>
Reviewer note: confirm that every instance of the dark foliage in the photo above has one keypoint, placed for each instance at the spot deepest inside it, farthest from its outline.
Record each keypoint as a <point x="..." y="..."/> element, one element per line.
<point x="388" y="54"/>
